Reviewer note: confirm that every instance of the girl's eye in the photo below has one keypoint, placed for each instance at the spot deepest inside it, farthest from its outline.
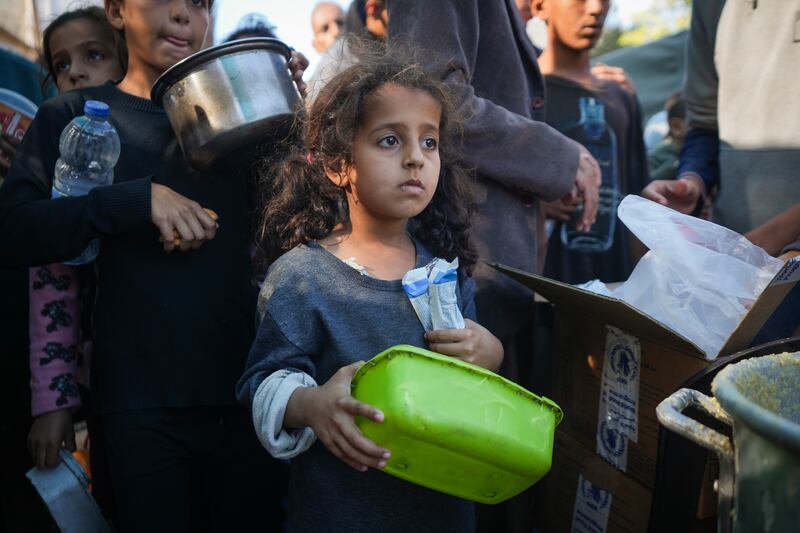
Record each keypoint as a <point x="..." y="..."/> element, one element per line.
<point x="95" y="55"/>
<point x="199" y="3"/>
<point x="61" y="66"/>
<point x="430" y="143"/>
<point x="389" y="140"/>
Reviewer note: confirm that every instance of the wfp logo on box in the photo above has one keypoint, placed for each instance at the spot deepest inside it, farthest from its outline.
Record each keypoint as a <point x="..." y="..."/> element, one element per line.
<point x="623" y="363"/>
<point x="612" y="440"/>
<point x="596" y="498"/>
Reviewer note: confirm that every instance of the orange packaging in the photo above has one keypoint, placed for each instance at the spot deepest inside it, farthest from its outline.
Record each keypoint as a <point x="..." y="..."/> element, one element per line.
<point x="13" y="121"/>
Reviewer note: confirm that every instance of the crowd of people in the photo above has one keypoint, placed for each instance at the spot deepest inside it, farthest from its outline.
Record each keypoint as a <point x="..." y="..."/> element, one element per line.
<point x="211" y="345"/>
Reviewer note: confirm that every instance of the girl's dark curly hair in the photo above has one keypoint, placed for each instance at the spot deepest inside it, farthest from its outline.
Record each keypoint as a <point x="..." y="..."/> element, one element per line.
<point x="301" y="203"/>
<point x="92" y="13"/>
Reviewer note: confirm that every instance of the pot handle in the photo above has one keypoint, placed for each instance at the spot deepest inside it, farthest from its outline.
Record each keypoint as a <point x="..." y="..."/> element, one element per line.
<point x="670" y="414"/>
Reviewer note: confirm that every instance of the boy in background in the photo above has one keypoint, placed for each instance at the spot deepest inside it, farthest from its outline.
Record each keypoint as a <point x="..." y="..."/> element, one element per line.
<point x="573" y="29"/>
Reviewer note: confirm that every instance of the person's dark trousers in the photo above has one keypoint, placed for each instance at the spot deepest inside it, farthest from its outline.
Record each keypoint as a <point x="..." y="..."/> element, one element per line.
<point x="192" y="469"/>
<point x="98" y="458"/>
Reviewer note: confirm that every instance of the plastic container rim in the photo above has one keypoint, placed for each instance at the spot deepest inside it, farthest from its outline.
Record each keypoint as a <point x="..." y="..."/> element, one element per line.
<point x="439" y="358"/>
<point x="186" y="66"/>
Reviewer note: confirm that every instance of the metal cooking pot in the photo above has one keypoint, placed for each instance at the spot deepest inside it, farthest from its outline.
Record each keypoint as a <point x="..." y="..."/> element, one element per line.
<point x="65" y="491"/>
<point x="759" y="483"/>
<point x="228" y="97"/>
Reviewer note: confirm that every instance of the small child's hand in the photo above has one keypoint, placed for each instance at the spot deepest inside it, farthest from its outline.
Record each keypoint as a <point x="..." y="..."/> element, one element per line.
<point x="173" y="213"/>
<point x="474" y="344"/>
<point x="330" y="411"/>
<point x="48" y="433"/>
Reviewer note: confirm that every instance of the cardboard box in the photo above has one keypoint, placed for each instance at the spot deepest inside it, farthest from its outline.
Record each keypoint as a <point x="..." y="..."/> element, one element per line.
<point x="624" y="504"/>
<point x="577" y="378"/>
<point x="667" y="359"/>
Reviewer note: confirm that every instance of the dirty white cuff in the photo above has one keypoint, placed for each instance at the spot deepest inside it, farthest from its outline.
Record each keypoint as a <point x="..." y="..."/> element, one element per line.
<point x="269" y="408"/>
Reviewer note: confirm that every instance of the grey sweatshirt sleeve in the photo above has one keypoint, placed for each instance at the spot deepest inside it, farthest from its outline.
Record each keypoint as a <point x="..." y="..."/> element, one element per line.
<point x="280" y="360"/>
<point x="271" y="351"/>
<point x="521" y="154"/>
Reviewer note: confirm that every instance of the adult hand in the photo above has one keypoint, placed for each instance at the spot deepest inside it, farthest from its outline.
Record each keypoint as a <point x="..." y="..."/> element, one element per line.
<point x="330" y="410"/>
<point x="474" y="344"/>
<point x="48" y="433"/>
<point x="297" y="66"/>
<point x="8" y="150"/>
<point x="559" y="210"/>
<point x="172" y="212"/>
<point x="616" y="75"/>
<point x="681" y="194"/>
<point x="586" y="188"/>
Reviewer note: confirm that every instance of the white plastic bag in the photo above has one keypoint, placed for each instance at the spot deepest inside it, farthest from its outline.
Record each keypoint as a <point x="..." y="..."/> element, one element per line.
<point x="698" y="278"/>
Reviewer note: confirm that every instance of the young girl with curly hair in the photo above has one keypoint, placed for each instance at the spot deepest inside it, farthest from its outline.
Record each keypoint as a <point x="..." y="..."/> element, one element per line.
<point x="372" y="193"/>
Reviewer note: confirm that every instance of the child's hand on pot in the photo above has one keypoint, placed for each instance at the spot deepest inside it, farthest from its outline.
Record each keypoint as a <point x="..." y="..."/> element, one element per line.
<point x="330" y="411"/>
<point x="474" y="344"/>
<point x="297" y="66"/>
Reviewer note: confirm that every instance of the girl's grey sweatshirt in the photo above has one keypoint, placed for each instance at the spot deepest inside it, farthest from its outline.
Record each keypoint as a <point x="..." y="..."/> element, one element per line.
<point x="319" y="314"/>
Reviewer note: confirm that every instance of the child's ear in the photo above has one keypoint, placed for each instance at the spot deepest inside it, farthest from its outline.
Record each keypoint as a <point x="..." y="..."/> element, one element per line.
<point x="113" y="10"/>
<point x="539" y="9"/>
<point x="339" y="174"/>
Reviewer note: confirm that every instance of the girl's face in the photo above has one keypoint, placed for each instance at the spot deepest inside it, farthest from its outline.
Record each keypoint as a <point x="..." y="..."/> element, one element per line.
<point x="159" y="33"/>
<point x="82" y="55"/>
<point x="396" y="164"/>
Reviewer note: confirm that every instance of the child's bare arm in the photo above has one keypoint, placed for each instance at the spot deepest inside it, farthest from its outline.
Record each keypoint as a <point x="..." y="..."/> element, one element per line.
<point x="474" y="344"/>
<point x="330" y="411"/>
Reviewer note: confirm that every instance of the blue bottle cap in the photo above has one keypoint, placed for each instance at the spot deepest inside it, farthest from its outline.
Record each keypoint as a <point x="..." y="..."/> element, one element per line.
<point x="96" y="109"/>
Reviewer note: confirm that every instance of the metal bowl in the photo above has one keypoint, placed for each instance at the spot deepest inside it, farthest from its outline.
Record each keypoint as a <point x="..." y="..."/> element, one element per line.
<point x="228" y="97"/>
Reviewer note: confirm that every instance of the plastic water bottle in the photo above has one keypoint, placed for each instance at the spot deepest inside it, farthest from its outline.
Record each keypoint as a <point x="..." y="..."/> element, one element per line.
<point x="89" y="149"/>
<point x="596" y="135"/>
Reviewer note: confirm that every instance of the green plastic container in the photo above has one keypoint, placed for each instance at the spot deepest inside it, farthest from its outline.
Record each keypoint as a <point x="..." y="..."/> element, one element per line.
<point x="455" y="427"/>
